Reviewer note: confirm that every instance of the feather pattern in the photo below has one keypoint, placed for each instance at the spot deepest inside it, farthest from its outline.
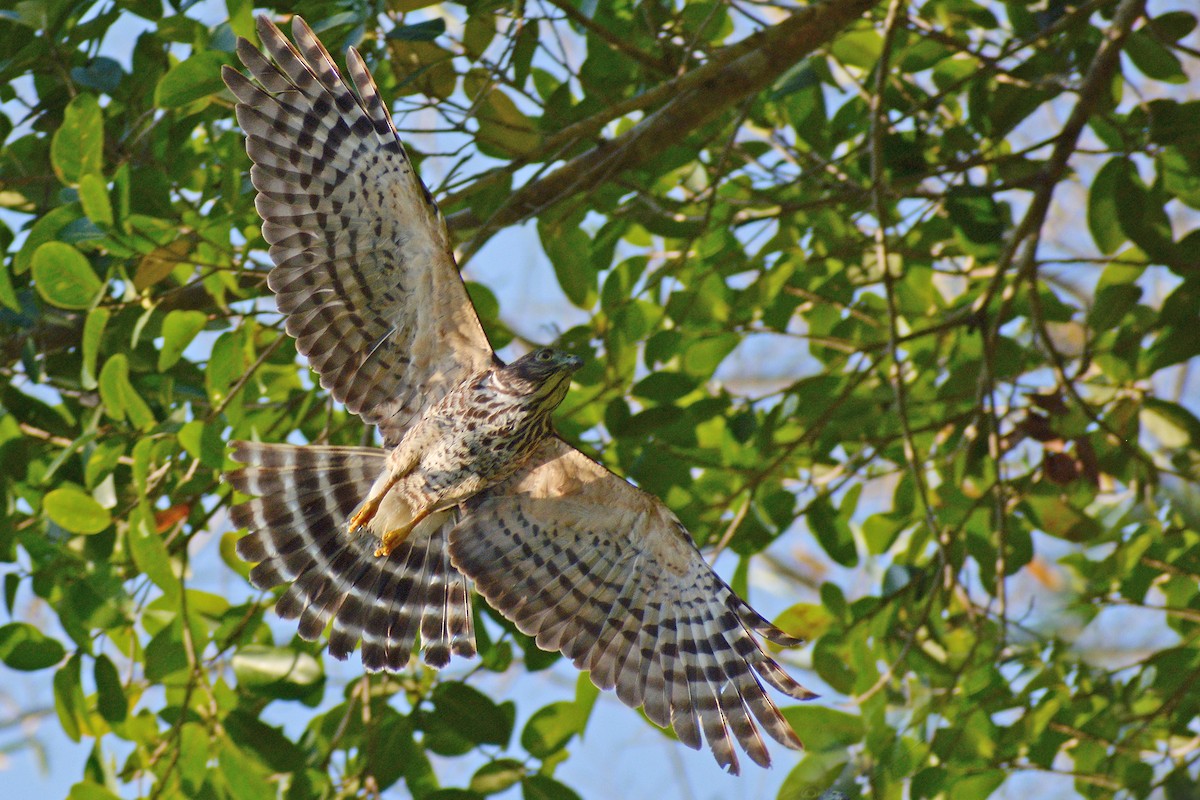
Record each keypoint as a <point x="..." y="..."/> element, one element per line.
<point x="301" y="499"/>
<point x="589" y="565"/>
<point x="364" y="270"/>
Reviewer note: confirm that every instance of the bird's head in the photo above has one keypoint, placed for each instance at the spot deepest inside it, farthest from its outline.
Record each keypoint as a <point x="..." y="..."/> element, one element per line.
<point x="544" y="373"/>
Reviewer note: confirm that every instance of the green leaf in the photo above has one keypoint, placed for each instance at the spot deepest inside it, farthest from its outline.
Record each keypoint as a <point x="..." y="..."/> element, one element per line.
<point x="550" y="728"/>
<point x="110" y="694"/>
<point x="665" y="387"/>
<point x="504" y="132"/>
<point x="25" y="648"/>
<point x="1142" y="216"/>
<point x="75" y="511"/>
<point x="268" y="743"/>
<point x="472" y="714"/>
<point x="496" y="776"/>
<point x="1180" y="173"/>
<point x="1175" y="345"/>
<point x="246" y="779"/>
<point x="46" y="229"/>
<point x="165" y="654"/>
<point x="178" y="330"/>
<point x="197" y="77"/>
<point x="121" y="400"/>
<point x="1152" y="59"/>
<point x="93" y="196"/>
<point x="225" y="365"/>
<point x="63" y="277"/>
<point x="1111" y="306"/>
<point x="1057" y="517"/>
<point x="832" y="531"/>
<point x="277" y="672"/>
<point x="150" y="553"/>
<point x="425" y="31"/>
<point x="978" y="786"/>
<point x="824" y="728"/>
<point x="1102" y="206"/>
<point x="702" y="357"/>
<point x="103" y="74"/>
<point x="93" y="330"/>
<point x="86" y="790"/>
<point x="8" y="295"/>
<point x="1172" y="424"/>
<point x="77" y="148"/>
<point x="815" y="773"/>
<point x="203" y="441"/>
<point x="858" y="48"/>
<point x="568" y="247"/>
<point x="543" y="787"/>
<point x="68" y="699"/>
<point x="194" y="744"/>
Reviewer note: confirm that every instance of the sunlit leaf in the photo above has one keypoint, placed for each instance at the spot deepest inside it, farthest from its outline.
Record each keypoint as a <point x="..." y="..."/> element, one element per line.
<point x="277" y="671"/>
<point x="63" y="276"/>
<point x="178" y="330"/>
<point x="496" y="776"/>
<point x="75" y="511"/>
<point x="550" y="728"/>
<point x="192" y="79"/>
<point x="77" y="148"/>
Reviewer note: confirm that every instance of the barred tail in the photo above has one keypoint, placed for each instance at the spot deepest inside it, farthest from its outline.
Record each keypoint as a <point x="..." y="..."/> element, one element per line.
<point x="302" y="498"/>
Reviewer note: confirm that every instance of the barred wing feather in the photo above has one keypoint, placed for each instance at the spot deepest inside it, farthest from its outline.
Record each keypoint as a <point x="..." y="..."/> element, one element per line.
<point x="590" y="565"/>
<point x="364" y="270"/>
<point x="296" y="516"/>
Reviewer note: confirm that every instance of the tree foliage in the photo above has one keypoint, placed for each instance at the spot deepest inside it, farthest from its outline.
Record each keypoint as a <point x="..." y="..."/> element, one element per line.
<point x="943" y="257"/>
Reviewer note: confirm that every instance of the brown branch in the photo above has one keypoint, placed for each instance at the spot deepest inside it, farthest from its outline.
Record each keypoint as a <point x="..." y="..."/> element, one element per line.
<point x="696" y="98"/>
<point x="614" y="41"/>
<point x="1095" y="84"/>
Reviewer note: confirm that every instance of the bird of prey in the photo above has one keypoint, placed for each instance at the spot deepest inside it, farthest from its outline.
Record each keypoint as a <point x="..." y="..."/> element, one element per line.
<point x="473" y="486"/>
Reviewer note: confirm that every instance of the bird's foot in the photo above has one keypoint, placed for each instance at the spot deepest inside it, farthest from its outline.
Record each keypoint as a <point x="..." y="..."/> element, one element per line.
<point x="365" y="513"/>
<point x="394" y="538"/>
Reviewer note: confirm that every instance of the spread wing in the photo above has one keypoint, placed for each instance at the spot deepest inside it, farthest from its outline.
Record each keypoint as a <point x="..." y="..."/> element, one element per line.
<point x="593" y="567"/>
<point x="363" y="265"/>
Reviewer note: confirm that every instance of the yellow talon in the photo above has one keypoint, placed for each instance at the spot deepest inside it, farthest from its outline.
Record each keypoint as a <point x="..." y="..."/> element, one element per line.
<point x="364" y="515"/>
<point x="394" y="538"/>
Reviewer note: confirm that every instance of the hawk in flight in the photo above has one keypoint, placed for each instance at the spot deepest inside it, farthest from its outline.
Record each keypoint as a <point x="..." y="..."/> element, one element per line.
<point x="473" y="486"/>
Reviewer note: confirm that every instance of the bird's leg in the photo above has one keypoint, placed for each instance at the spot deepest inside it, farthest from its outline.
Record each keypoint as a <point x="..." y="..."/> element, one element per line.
<point x="394" y="538"/>
<point x="366" y="512"/>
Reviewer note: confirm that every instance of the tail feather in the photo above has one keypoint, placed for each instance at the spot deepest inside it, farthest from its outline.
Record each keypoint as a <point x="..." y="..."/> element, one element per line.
<point x="301" y="500"/>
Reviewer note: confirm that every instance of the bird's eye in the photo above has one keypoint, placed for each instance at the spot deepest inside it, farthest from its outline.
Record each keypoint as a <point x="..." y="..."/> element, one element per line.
<point x="543" y="355"/>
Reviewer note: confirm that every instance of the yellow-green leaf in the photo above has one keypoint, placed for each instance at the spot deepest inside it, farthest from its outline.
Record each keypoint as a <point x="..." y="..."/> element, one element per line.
<point x="8" y="296"/>
<point x="121" y="400"/>
<point x="276" y="671"/>
<point x="179" y="328"/>
<point x="75" y="511"/>
<point x="63" y="276"/>
<point x="93" y="196"/>
<point x="190" y="80"/>
<point x="77" y="148"/>
<point x="150" y="554"/>
<point x="93" y="330"/>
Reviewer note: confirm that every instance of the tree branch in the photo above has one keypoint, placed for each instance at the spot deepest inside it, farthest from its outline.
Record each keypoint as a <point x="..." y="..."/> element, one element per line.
<point x="696" y="98"/>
